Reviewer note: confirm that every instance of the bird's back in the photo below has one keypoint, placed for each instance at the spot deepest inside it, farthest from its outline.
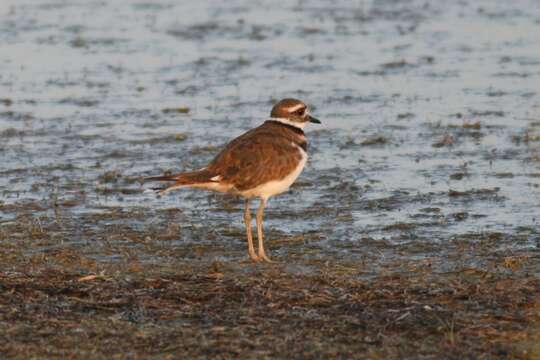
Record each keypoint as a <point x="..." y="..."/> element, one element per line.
<point x="267" y="153"/>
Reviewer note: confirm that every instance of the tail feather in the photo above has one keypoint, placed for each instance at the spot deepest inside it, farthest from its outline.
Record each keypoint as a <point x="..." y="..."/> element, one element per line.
<point x="180" y="180"/>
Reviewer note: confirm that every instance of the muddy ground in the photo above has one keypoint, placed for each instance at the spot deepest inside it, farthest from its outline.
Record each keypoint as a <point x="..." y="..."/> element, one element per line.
<point x="413" y="232"/>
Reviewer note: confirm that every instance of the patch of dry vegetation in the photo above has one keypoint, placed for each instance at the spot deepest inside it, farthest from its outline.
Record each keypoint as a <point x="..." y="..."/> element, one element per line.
<point x="62" y="303"/>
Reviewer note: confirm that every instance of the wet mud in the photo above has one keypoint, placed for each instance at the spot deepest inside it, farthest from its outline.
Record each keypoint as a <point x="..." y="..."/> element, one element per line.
<point x="413" y="232"/>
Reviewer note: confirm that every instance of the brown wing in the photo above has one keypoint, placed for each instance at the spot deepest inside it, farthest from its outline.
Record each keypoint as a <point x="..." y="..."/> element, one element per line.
<point x="255" y="158"/>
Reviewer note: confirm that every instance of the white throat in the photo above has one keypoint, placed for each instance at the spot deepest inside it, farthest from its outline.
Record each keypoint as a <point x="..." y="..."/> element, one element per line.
<point x="289" y="122"/>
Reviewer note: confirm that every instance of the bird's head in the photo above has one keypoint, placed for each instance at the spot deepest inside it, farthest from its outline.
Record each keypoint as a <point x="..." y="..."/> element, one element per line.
<point x="292" y="112"/>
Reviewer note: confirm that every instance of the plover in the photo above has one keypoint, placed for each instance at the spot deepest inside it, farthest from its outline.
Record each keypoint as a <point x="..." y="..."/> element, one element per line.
<point x="263" y="162"/>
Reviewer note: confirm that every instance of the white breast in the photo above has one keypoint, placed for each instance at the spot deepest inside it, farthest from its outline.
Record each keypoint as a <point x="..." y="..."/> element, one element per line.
<point x="272" y="188"/>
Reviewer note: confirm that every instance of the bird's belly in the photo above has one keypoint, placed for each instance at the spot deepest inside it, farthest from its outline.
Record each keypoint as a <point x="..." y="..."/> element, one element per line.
<point x="275" y="187"/>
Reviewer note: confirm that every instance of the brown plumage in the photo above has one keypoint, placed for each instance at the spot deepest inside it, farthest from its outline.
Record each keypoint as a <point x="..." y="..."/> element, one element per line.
<point x="262" y="162"/>
<point x="263" y="154"/>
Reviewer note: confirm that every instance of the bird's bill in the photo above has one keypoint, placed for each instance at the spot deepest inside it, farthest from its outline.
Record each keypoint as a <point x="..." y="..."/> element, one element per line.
<point x="314" y="120"/>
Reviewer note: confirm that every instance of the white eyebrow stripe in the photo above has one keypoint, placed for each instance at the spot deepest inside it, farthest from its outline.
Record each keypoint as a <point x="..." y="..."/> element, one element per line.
<point x="294" y="108"/>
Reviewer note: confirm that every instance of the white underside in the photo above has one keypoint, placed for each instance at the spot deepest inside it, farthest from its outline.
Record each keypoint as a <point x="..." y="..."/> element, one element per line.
<point x="272" y="188"/>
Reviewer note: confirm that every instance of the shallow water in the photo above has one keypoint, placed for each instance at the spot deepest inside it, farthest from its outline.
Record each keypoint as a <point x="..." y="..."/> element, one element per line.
<point x="430" y="134"/>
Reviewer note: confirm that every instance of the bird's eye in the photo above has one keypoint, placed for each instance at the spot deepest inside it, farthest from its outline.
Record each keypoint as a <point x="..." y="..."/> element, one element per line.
<point x="300" y="112"/>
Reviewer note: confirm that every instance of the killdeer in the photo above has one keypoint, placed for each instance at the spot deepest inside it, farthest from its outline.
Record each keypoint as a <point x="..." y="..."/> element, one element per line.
<point x="263" y="162"/>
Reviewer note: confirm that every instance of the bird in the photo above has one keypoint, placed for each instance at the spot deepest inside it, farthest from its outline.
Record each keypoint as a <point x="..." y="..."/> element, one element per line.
<point x="261" y="163"/>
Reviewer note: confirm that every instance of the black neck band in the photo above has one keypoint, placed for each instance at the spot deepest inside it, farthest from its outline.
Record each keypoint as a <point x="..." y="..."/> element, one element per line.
<point x="291" y="127"/>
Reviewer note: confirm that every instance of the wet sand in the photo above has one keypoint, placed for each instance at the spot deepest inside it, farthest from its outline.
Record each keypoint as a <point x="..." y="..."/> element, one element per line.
<point x="412" y="233"/>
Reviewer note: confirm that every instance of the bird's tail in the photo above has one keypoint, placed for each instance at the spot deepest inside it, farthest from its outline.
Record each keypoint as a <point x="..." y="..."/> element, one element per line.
<point x="197" y="178"/>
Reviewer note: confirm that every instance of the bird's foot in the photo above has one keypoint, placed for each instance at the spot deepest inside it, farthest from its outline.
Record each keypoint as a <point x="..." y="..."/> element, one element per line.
<point x="263" y="257"/>
<point x="254" y="257"/>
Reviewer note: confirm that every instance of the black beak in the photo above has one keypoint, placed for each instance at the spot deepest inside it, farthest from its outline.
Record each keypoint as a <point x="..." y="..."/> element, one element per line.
<point x="313" y="120"/>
